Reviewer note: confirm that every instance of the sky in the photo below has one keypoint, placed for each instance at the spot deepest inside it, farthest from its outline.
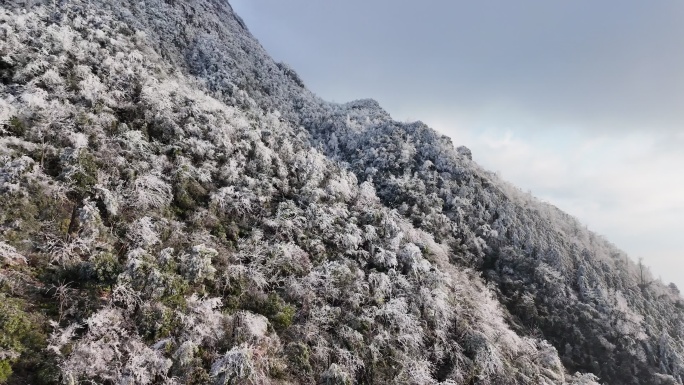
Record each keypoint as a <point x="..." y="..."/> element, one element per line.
<point x="579" y="102"/>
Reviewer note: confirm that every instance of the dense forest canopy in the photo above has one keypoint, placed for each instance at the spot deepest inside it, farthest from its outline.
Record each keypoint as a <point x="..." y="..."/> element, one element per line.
<point x="178" y="208"/>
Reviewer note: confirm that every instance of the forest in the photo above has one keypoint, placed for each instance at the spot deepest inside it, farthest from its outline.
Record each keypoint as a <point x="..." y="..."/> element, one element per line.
<point x="178" y="208"/>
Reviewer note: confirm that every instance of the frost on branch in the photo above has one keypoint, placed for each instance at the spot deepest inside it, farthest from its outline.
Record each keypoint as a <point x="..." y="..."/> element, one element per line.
<point x="108" y="351"/>
<point x="235" y="366"/>
<point x="10" y="256"/>
<point x="143" y="232"/>
<point x="204" y="323"/>
<point x="250" y="327"/>
<point x="411" y="259"/>
<point x="197" y="266"/>
<point x="150" y="192"/>
<point x="385" y="258"/>
<point x="584" y="379"/>
<point x="110" y="199"/>
<point x="232" y="201"/>
<point x="335" y="375"/>
<point x="11" y="172"/>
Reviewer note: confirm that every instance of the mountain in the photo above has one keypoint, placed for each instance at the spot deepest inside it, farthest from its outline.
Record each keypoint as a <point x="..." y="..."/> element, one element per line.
<point x="178" y="208"/>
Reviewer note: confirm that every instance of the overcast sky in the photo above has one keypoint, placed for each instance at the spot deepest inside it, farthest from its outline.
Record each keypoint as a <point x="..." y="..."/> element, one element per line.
<point x="581" y="102"/>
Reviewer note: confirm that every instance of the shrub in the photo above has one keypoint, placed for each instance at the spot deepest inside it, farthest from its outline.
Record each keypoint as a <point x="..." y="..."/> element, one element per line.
<point x="16" y="126"/>
<point x="20" y="336"/>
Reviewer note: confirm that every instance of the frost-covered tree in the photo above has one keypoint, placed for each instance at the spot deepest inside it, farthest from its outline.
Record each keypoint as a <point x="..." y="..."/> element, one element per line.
<point x="177" y="208"/>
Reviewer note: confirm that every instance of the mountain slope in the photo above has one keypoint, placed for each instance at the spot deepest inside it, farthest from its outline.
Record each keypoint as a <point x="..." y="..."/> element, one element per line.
<point x="554" y="276"/>
<point x="178" y="208"/>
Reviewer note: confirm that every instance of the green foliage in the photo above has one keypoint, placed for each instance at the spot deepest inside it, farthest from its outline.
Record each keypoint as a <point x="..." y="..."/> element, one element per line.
<point x="299" y="356"/>
<point x="26" y="215"/>
<point x="20" y="334"/>
<point x="175" y="291"/>
<point x="85" y="177"/>
<point x="188" y="194"/>
<point x="283" y="319"/>
<point x="105" y="268"/>
<point x="5" y="370"/>
<point x="199" y="376"/>
<point x="16" y="126"/>
<point x="156" y="323"/>
<point x="279" y="313"/>
<point x="72" y="82"/>
<point x="219" y="231"/>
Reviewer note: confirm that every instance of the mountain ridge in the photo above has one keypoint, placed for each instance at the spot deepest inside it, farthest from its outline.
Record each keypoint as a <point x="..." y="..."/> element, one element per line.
<point x="199" y="216"/>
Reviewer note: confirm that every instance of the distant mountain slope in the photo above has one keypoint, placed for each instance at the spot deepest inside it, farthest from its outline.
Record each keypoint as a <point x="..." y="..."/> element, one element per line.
<point x="178" y="208"/>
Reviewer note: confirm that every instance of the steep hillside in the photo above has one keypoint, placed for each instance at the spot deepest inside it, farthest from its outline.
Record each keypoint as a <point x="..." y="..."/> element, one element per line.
<point x="178" y="208"/>
<point x="604" y="313"/>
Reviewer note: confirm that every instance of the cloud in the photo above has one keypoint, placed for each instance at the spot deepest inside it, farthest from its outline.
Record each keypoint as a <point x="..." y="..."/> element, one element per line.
<point x="621" y="186"/>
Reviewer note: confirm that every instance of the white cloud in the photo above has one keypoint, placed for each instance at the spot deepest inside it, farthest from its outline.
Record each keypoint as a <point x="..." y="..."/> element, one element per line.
<point x="628" y="187"/>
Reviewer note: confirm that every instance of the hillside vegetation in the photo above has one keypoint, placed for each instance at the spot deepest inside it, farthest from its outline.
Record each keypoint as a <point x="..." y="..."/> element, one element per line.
<point x="177" y="208"/>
